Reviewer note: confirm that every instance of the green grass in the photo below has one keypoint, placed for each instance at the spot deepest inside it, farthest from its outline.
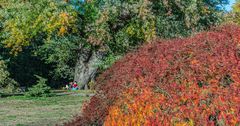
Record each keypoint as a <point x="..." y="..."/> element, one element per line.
<point x="23" y="111"/>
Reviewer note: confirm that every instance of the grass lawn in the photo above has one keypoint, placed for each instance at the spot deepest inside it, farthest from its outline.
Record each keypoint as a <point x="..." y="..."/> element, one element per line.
<point x="22" y="111"/>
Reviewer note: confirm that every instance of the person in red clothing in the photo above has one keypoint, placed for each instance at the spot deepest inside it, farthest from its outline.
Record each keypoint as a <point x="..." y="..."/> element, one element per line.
<point x="75" y="86"/>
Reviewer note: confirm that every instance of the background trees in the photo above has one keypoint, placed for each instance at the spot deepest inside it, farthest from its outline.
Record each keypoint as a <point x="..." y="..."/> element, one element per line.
<point x="71" y="39"/>
<point x="31" y="27"/>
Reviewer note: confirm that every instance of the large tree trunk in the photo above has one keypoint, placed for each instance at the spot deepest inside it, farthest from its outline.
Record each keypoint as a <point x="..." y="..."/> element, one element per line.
<point x="86" y="68"/>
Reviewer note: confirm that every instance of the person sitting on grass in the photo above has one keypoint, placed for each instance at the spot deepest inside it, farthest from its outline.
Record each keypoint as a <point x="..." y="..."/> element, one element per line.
<point x="75" y="86"/>
<point x="69" y="86"/>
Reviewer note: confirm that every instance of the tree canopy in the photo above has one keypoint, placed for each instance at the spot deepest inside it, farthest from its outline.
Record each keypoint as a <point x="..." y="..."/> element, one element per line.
<point x="53" y="31"/>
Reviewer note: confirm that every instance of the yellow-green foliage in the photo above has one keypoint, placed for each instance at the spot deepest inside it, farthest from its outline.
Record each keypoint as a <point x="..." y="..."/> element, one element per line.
<point x="6" y="83"/>
<point x="33" y="19"/>
<point x="3" y="73"/>
<point x="236" y="12"/>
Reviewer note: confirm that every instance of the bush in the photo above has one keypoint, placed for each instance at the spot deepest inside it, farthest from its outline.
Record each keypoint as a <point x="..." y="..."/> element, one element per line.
<point x="7" y="84"/>
<point x="40" y="89"/>
<point x="193" y="81"/>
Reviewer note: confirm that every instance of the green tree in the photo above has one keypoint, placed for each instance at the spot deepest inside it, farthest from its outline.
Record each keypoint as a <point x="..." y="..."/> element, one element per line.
<point x="40" y="89"/>
<point x="177" y="18"/>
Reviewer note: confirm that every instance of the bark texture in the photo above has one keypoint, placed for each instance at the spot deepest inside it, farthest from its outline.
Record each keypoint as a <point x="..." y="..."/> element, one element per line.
<point x="86" y="67"/>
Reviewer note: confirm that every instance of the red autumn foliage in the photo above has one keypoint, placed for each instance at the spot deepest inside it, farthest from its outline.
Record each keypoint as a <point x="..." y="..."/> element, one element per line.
<point x="193" y="81"/>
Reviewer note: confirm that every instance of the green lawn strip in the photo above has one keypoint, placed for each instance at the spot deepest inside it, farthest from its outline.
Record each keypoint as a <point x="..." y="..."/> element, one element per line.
<point x="20" y="110"/>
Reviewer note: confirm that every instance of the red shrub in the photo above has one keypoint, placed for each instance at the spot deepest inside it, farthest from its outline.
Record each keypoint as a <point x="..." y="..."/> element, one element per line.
<point x="197" y="80"/>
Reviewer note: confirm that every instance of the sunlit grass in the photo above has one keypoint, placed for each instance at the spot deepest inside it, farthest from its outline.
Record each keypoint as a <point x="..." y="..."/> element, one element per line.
<point x="22" y="111"/>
